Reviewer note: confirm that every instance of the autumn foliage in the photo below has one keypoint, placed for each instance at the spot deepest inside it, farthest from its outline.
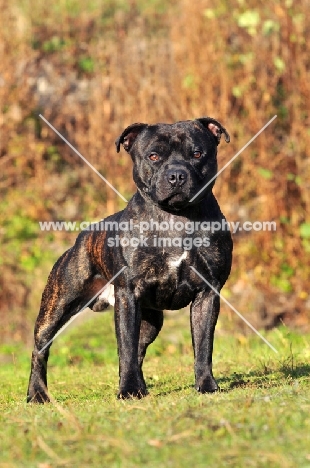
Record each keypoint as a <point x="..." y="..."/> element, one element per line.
<point x="92" y="70"/>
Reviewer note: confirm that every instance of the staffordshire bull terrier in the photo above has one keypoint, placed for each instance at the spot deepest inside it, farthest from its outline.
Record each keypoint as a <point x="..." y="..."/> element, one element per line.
<point x="148" y="254"/>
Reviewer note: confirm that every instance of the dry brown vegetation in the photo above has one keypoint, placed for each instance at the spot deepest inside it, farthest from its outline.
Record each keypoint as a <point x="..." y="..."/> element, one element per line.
<point x="93" y="70"/>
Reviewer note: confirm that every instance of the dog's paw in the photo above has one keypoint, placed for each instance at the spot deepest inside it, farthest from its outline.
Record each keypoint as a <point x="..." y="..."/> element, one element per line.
<point x="208" y="385"/>
<point x="38" y="396"/>
<point x="130" y="392"/>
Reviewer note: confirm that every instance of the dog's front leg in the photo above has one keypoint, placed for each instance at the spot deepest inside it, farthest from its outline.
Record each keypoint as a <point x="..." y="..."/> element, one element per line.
<point x="127" y="326"/>
<point x="204" y="313"/>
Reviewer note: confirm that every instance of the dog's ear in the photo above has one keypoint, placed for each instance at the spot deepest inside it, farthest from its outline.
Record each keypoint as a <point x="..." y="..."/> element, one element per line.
<point x="129" y="135"/>
<point x="215" y="127"/>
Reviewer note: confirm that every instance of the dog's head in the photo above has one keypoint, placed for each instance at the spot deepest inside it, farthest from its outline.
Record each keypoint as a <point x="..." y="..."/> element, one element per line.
<point x="173" y="162"/>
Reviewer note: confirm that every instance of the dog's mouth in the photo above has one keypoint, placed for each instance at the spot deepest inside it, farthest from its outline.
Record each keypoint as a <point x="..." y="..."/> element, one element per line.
<point x="177" y="201"/>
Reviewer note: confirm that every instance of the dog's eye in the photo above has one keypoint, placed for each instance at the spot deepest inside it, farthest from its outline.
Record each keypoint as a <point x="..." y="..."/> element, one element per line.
<point x="197" y="154"/>
<point x="154" y="157"/>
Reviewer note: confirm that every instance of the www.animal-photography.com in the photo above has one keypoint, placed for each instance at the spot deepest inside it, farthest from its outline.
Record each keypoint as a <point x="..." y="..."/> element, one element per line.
<point x="155" y="234"/>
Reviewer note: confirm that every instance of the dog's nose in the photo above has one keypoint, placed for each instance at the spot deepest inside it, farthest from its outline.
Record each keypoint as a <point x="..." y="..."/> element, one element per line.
<point x="176" y="177"/>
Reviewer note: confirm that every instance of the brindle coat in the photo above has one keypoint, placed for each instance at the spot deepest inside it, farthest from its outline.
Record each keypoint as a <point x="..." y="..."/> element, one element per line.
<point x="172" y="162"/>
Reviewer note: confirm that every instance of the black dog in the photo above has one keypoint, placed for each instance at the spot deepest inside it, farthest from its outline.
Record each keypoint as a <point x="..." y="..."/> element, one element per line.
<point x="171" y="164"/>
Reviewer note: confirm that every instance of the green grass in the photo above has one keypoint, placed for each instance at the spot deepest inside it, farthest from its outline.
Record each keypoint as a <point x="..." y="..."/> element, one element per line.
<point x="260" y="418"/>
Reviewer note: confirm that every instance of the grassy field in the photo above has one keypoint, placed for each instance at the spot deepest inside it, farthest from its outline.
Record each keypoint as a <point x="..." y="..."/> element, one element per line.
<point x="260" y="418"/>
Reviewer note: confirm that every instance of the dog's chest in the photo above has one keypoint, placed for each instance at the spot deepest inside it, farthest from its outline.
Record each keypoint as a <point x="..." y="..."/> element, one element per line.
<point x="166" y="283"/>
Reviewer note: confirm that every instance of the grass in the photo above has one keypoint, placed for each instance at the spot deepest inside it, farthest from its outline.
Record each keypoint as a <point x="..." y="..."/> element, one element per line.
<point x="260" y="418"/>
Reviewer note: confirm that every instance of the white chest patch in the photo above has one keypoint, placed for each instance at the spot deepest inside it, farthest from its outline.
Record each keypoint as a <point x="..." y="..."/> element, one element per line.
<point x="178" y="261"/>
<point x="108" y="295"/>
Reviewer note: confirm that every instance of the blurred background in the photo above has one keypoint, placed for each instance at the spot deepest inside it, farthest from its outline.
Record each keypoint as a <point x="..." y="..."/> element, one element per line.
<point x="92" y="68"/>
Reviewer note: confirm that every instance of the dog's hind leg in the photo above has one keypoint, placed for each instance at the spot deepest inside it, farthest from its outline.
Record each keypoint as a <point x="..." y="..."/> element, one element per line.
<point x="48" y="323"/>
<point x="151" y="324"/>
<point x="68" y="289"/>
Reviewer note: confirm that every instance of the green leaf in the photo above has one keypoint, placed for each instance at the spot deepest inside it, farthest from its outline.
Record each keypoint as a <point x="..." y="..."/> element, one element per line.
<point x="52" y="149"/>
<point x="284" y="220"/>
<point x="287" y="270"/>
<point x="306" y="245"/>
<point x="189" y="82"/>
<point x="281" y="283"/>
<point x="249" y="20"/>
<point x="237" y="91"/>
<point x="53" y="45"/>
<point x="270" y="26"/>
<point x="298" y="181"/>
<point x="304" y="230"/>
<point x="279" y="64"/>
<point x="86" y="64"/>
<point x="266" y="173"/>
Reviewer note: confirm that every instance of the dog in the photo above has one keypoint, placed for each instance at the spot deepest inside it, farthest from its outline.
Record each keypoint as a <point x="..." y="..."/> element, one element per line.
<point x="172" y="163"/>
